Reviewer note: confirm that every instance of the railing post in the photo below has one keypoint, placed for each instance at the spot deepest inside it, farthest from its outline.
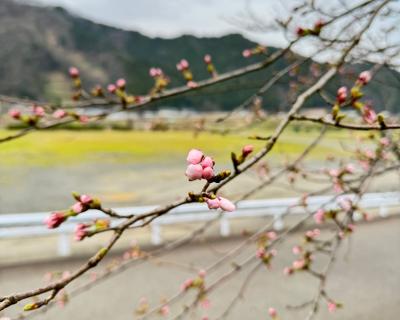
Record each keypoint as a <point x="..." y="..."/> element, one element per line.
<point x="64" y="245"/>
<point x="278" y="222"/>
<point x="156" y="234"/>
<point x="383" y="211"/>
<point x="224" y="227"/>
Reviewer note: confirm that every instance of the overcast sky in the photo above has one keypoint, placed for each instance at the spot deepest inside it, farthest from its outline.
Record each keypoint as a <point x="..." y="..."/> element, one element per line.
<point x="174" y="17"/>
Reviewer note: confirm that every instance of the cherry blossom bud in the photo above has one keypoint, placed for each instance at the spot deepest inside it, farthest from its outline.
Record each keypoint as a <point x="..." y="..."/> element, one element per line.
<point x="272" y="235"/>
<point x="332" y="307"/>
<point x="85" y="199"/>
<point x="77" y="207"/>
<point x="319" y="216"/>
<point x="260" y="253"/>
<point x="319" y="24"/>
<point x="364" y="77"/>
<point x="247" y="150"/>
<point x="207" y="59"/>
<point x="192" y="84"/>
<point x="213" y="203"/>
<point x="59" y="114"/>
<point x="38" y="111"/>
<point x="80" y="232"/>
<point x="153" y="72"/>
<point x="299" y="264"/>
<point x="14" y="113"/>
<point x="207" y="162"/>
<point x="350" y="168"/>
<point x="272" y="312"/>
<point x="246" y="53"/>
<point x="287" y="271"/>
<point x="73" y="72"/>
<point x="369" y="114"/>
<point x="226" y="205"/>
<point x="195" y="157"/>
<point x="121" y="83"/>
<point x="83" y="119"/>
<point x="187" y="284"/>
<point x="341" y="94"/>
<point x="384" y="141"/>
<point x="179" y="67"/>
<point x="300" y="31"/>
<point x="202" y="273"/>
<point x="111" y="88"/>
<point x="55" y="219"/>
<point x="194" y="172"/>
<point x="184" y="64"/>
<point x="297" y="250"/>
<point x="205" y="303"/>
<point x="208" y="173"/>
<point x="164" y="311"/>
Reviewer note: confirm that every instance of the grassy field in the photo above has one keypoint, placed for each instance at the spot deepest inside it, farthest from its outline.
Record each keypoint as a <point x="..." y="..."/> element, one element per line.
<point x="50" y="148"/>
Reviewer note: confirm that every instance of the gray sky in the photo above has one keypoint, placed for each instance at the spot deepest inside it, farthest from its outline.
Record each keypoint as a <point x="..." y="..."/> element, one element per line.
<point x="174" y="17"/>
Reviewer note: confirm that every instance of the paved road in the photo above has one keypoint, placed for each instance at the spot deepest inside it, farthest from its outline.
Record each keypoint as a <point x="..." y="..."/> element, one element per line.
<point x="366" y="278"/>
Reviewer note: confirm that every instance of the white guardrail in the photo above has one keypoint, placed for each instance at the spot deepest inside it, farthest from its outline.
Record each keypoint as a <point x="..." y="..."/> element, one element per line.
<point x="32" y="224"/>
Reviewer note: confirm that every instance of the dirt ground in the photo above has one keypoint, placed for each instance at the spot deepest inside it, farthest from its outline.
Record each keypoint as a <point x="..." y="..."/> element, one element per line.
<point x="365" y="278"/>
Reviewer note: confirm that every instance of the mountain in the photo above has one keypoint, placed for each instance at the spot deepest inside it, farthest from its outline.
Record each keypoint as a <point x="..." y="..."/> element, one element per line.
<point x="40" y="43"/>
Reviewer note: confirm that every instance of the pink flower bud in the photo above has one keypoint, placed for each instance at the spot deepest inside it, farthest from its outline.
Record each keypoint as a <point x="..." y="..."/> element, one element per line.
<point x="272" y="312"/>
<point x="207" y="58"/>
<point x="213" y="203"/>
<point x="300" y="31"/>
<point x="184" y="64"/>
<point x="77" y="207"/>
<point x="369" y="115"/>
<point x="297" y="250"/>
<point x="207" y="162"/>
<point x="59" y="114"/>
<point x="202" y="273"/>
<point x="195" y="156"/>
<point x="349" y="168"/>
<point x="194" y="172"/>
<point x="73" y="72"/>
<point x="260" y="253"/>
<point x="341" y="94"/>
<point x="208" y="173"/>
<point x="83" y="119"/>
<point x="80" y="232"/>
<point x="179" y="67"/>
<point x="299" y="264"/>
<point x="247" y="150"/>
<point x="364" y="77"/>
<point x="226" y="205"/>
<point x="319" y="216"/>
<point x="112" y="88"/>
<point x="38" y="111"/>
<point x="153" y="72"/>
<point x="247" y="53"/>
<point x="384" y="141"/>
<point x="164" y="311"/>
<point x="55" y="219"/>
<point x="85" y="199"/>
<point x="14" y="113"/>
<point x="319" y="24"/>
<point x="187" y="284"/>
<point x="272" y="235"/>
<point x="332" y="307"/>
<point x="287" y="271"/>
<point x="121" y="83"/>
<point x="192" y="84"/>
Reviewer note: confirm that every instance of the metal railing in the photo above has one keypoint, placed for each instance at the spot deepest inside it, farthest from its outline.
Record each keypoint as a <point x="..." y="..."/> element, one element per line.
<point x="32" y="224"/>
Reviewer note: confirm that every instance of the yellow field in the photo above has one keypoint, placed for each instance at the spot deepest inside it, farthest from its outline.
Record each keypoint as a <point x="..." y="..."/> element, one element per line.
<point x="49" y="148"/>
